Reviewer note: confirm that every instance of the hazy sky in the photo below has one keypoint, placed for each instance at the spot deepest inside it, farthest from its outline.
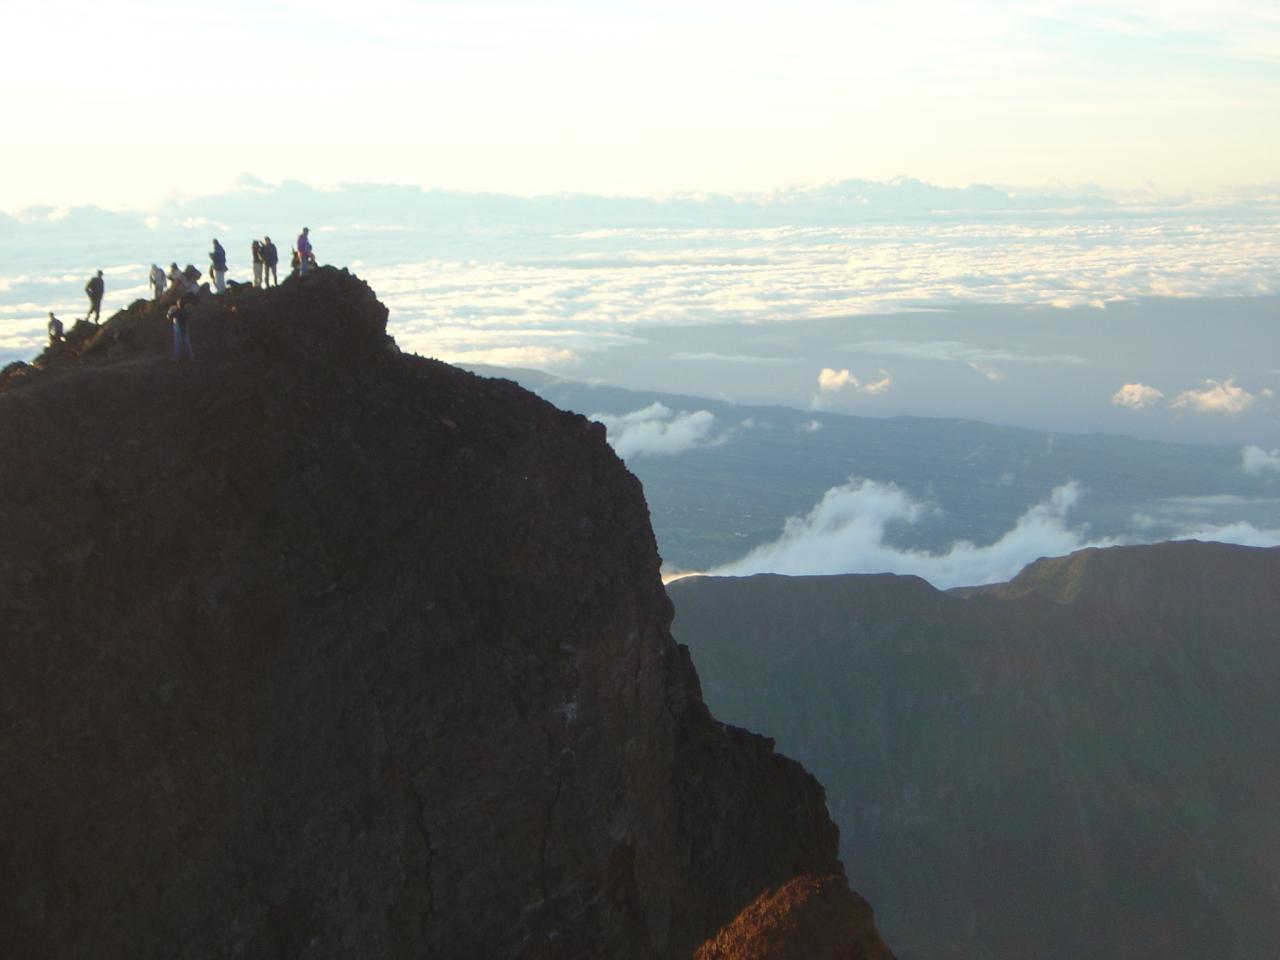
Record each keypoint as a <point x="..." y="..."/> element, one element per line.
<point x="122" y="103"/>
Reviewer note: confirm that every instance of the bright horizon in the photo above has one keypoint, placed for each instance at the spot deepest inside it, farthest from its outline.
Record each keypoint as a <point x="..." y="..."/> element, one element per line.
<point x="124" y="107"/>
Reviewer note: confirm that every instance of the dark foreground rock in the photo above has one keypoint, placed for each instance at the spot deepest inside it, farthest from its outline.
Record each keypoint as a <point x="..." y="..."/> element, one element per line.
<point x="311" y="649"/>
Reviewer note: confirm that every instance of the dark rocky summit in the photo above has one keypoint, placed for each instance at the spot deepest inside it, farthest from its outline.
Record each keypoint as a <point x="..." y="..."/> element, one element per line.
<point x="311" y="649"/>
<point x="1080" y="763"/>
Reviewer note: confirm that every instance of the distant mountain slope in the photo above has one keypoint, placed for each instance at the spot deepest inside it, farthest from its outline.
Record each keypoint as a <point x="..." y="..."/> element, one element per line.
<point x="710" y="504"/>
<point x="1080" y="763"/>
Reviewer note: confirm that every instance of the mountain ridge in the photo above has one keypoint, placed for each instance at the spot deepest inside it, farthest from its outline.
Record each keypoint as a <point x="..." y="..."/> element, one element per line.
<point x="315" y="649"/>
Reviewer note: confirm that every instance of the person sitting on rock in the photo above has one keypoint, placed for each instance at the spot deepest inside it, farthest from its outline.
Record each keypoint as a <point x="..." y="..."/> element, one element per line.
<point x="270" y="257"/>
<point x="157" y="279"/>
<point x="94" y="288"/>
<point x="181" y="338"/>
<point x="55" y="329"/>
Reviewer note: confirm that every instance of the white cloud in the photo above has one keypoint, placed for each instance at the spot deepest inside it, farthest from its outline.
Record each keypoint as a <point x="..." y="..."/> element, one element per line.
<point x="813" y="426"/>
<point x="1136" y="396"/>
<point x="845" y="533"/>
<point x="1217" y="397"/>
<point x="657" y="431"/>
<point x="830" y="381"/>
<point x="1256" y="460"/>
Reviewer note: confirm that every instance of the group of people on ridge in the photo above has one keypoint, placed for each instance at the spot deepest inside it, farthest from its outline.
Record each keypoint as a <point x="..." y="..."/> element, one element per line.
<point x="183" y="285"/>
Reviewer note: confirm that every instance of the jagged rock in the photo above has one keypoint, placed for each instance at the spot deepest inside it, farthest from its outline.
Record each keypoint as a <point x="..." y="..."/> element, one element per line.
<point x="808" y="918"/>
<point x="316" y="650"/>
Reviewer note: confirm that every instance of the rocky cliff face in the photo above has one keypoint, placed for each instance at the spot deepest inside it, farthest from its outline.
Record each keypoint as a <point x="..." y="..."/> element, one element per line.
<point x="1081" y="762"/>
<point x="315" y="650"/>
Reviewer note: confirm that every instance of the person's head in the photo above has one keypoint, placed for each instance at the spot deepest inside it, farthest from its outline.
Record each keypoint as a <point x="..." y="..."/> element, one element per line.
<point x="51" y="316"/>
<point x="266" y="239"/>
<point x="173" y="266"/>
<point x="99" y="273"/>
<point x="306" y="229"/>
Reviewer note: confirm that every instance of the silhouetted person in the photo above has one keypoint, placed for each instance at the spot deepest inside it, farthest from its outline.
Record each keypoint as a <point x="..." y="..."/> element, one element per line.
<point x="94" y="288"/>
<point x="181" y="338"/>
<point x="305" y="257"/>
<point x="270" y="257"/>
<point x="255" y="251"/>
<point x="218" y="266"/>
<point x="55" y="329"/>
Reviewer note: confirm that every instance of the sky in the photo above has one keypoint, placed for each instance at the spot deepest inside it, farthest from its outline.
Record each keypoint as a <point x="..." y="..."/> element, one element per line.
<point x="128" y="103"/>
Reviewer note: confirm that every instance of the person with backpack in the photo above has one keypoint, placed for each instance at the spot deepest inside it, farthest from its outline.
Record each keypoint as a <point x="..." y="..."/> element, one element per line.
<point x="181" y="338"/>
<point x="270" y="257"/>
<point x="218" y="266"/>
<point x="95" y="288"/>
<point x="306" y="259"/>
<point x="55" y="329"/>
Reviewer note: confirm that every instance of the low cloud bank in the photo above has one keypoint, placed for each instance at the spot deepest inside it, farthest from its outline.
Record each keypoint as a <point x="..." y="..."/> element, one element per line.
<point x="657" y="431"/>
<point x="845" y="533"/>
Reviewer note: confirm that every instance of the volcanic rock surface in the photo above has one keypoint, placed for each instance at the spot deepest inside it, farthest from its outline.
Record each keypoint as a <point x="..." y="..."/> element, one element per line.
<point x="1080" y="763"/>
<point x="311" y="649"/>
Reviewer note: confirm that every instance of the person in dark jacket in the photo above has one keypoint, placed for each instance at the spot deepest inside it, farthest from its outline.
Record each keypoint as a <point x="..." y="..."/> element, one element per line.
<point x="181" y="339"/>
<point x="55" y="329"/>
<point x="94" y="288"/>
<point x="218" y="266"/>
<point x="270" y="257"/>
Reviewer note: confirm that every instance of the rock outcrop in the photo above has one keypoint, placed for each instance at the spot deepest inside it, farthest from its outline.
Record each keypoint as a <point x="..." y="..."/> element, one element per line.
<point x="311" y="649"/>
<point x="1079" y="763"/>
<point x="808" y="918"/>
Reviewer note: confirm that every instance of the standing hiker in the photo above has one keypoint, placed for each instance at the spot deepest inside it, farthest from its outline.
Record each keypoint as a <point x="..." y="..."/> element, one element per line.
<point x="156" y="277"/>
<point x="305" y="257"/>
<point x="255" y="251"/>
<point x="270" y="257"/>
<point x="94" y="288"/>
<point x="55" y="329"/>
<point x="181" y="339"/>
<point x="218" y="266"/>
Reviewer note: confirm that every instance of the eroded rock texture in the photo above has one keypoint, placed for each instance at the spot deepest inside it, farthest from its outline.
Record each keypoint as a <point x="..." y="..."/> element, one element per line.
<point x="316" y="650"/>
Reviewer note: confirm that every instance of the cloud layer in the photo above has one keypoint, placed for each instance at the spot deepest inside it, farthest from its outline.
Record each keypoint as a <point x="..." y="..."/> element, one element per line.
<point x="845" y="533"/>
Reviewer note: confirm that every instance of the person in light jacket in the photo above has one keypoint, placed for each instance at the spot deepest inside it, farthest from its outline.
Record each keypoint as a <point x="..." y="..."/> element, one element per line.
<point x="306" y="259"/>
<point x="157" y="281"/>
